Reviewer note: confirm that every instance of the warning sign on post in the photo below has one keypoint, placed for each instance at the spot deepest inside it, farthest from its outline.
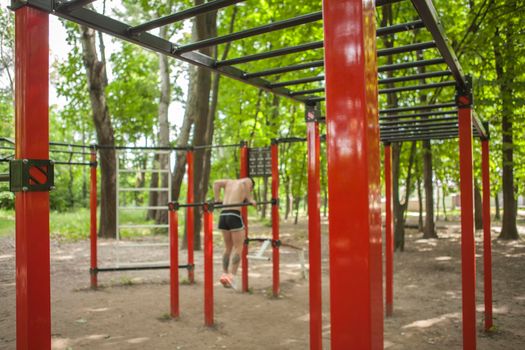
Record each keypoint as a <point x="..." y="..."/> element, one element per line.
<point x="259" y="162"/>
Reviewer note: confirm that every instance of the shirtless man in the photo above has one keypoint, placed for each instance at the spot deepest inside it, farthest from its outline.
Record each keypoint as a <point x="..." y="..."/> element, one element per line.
<point x="231" y="224"/>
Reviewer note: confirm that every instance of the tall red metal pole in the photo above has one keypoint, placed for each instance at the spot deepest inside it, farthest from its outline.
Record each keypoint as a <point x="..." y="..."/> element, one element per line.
<point x="275" y="218"/>
<point x="487" y="244"/>
<point x="33" y="309"/>
<point x="208" y="266"/>
<point x="389" y="233"/>
<point x="356" y="302"/>
<point x="190" y="216"/>
<point x="244" y="213"/>
<point x="174" y="260"/>
<point x="93" y="219"/>
<point x="468" y="259"/>
<point x="314" y="229"/>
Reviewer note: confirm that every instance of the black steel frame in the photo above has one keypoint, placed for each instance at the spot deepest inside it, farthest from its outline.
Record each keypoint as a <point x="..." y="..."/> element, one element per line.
<point x="75" y="10"/>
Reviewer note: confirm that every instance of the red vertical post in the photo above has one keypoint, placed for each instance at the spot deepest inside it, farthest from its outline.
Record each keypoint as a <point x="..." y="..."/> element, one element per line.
<point x="208" y="265"/>
<point x="190" y="216"/>
<point x="93" y="218"/>
<point x="244" y="213"/>
<point x="468" y="248"/>
<point x="33" y="309"/>
<point x="356" y="299"/>
<point x="389" y="233"/>
<point x="487" y="243"/>
<point x="314" y="228"/>
<point x="174" y="260"/>
<point x="275" y="218"/>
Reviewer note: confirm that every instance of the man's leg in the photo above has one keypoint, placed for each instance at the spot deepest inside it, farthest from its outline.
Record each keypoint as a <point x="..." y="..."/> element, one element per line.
<point x="228" y="245"/>
<point x="238" y="241"/>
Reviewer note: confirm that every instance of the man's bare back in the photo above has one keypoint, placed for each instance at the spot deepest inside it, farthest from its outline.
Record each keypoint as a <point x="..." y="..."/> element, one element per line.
<point x="235" y="191"/>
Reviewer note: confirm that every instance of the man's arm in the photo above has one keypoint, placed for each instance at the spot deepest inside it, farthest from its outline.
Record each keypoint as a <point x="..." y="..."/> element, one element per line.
<point x="217" y="185"/>
<point x="249" y="198"/>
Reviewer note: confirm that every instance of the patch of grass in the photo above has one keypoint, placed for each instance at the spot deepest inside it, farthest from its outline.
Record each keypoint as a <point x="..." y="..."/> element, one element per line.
<point x="165" y="317"/>
<point x="7" y="222"/>
<point x="126" y="281"/>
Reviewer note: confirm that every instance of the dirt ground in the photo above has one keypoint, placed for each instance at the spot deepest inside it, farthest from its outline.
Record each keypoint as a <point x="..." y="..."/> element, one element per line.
<point x="130" y="310"/>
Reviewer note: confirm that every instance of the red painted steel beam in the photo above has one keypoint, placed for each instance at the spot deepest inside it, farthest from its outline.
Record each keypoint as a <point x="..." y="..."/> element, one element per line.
<point x="389" y="233"/>
<point x="468" y="258"/>
<point x="208" y="266"/>
<point x="33" y="307"/>
<point x="487" y="243"/>
<point x="356" y="305"/>
<point x="244" y="214"/>
<point x="93" y="219"/>
<point x="314" y="230"/>
<point x="190" y="216"/>
<point x="275" y="219"/>
<point x="174" y="261"/>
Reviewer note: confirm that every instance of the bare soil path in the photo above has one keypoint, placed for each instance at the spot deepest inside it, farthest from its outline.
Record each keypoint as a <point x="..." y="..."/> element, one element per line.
<point x="130" y="311"/>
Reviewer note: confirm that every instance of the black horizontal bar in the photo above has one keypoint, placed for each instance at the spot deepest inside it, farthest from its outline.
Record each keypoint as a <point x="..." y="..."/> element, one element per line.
<point x="69" y="6"/>
<point x="398" y="28"/>
<point x="316" y="99"/>
<point x="418" y="108"/>
<point x="419" y="138"/>
<point x="287" y="23"/>
<point x="298" y="81"/>
<point x="405" y="65"/>
<point x="5" y="139"/>
<point x="417" y="87"/>
<point x="426" y="121"/>
<point x="406" y="48"/>
<point x="73" y="163"/>
<point x="243" y="204"/>
<point x="313" y="64"/>
<point x="413" y="131"/>
<point x="4" y="177"/>
<point x="290" y="139"/>
<point x="144" y="148"/>
<point x="139" y="268"/>
<point x="386" y="2"/>
<point x="53" y="143"/>
<point x="184" y="14"/>
<point x="430" y="133"/>
<point x="68" y="152"/>
<point x="427" y="12"/>
<point x="414" y="115"/>
<point x="306" y="92"/>
<point x="233" y="145"/>
<point x="415" y="77"/>
<point x="275" y="53"/>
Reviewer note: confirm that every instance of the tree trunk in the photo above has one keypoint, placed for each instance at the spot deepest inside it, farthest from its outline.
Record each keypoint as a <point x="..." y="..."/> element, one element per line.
<point x="496" y="201"/>
<point x="430" y="227"/>
<point x="153" y="182"/>
<point x="444" y="204"/>
<point x="288" y="202"/>
<point x="400" y="208"/>
<point x="204" y="26"/>
<point x="420" y="206"/>
<point x="478" y="208"/>
<point x="161" y="216"/>
<point x="97" y="82"/>
<point x="509" y="229"/>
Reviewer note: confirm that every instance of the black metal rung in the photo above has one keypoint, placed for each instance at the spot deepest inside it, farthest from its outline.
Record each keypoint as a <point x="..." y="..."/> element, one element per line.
<point x="406" y="65"/>
<point x="287" y="23"/>
<point x="275" y="53"/>
<point x="280" y="70"/>
<point x="297" y="81"/>
<point x="404" y="27"/>
<point x="407" y="48"/>
<point x="184" y="14"/>
<point x="417" y="108"/>
<point x="415" y="77"/>
<point x="417" y="87"/>
<point x="415" y="115"/>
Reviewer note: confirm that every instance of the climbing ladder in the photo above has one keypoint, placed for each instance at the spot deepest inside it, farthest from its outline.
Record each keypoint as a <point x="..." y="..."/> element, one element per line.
<point x="120" y="189"/>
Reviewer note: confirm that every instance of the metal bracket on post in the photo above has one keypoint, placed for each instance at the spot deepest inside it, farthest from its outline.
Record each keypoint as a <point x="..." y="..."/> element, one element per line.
<point x="31" y="175"/>
<point x="313" y="114"/>
<point x="464" y="96"/>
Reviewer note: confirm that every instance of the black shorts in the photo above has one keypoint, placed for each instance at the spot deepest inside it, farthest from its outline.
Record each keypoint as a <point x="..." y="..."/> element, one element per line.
<point x="230" y="220"/>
